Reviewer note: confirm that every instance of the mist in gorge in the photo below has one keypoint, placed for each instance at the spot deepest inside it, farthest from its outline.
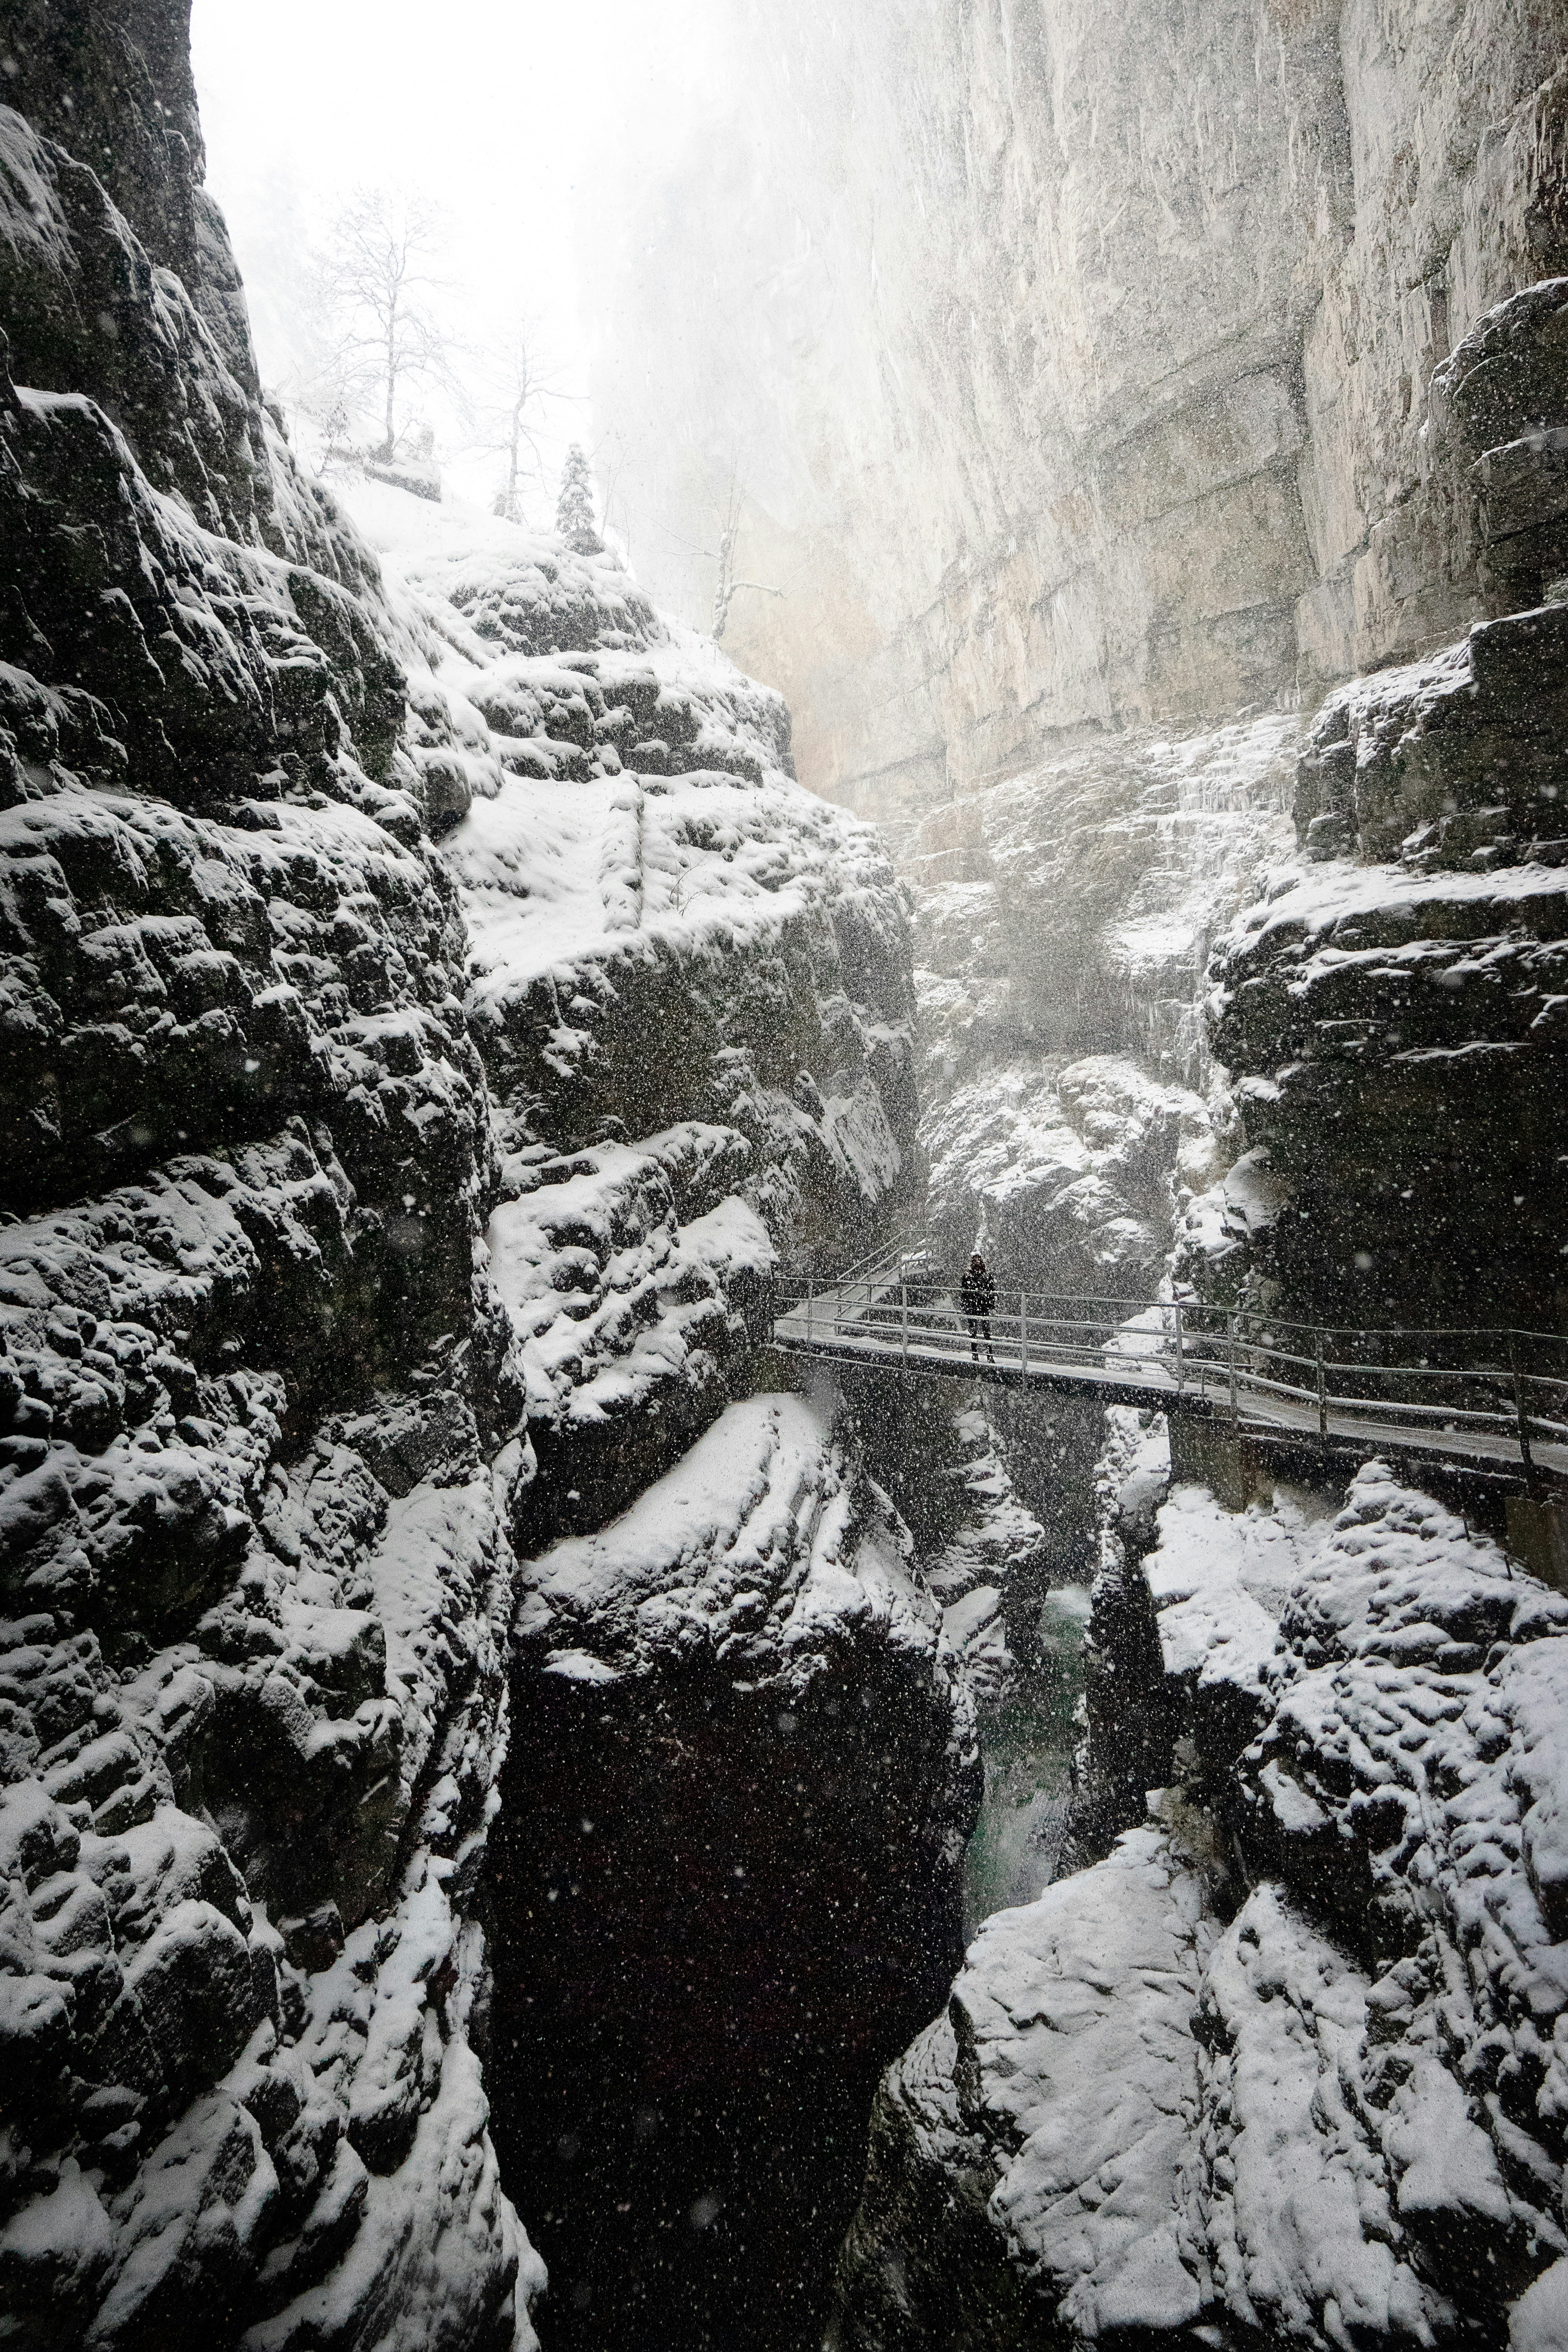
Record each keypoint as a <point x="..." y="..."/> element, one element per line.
<point x="783" y="1343"/>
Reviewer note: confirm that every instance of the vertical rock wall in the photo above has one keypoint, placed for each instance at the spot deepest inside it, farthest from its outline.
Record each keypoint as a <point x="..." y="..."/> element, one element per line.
<point x="429" y="1010"/>
<point x="1076" y="358"/>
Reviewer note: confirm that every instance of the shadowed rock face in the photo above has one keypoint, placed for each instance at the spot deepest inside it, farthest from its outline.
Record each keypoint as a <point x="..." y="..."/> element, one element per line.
<point x="725" y="1881"/>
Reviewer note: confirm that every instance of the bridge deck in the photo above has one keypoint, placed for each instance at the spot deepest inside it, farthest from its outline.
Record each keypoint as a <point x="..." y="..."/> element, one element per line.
<point x="1508" y="1416"/>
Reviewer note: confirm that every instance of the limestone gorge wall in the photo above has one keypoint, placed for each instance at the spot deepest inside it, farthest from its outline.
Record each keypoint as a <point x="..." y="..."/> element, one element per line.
<point x="1107" y="388"/>
<point x="478" y="1740"/>
<point x="431" y="1012"/>
<point x="1156" y="419"/>
<point x="1077" y="359"/>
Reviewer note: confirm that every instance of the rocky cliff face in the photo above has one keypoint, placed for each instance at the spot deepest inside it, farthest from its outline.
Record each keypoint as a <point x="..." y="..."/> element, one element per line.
<point x="1161" y="442"/>
<point x="1297" y="2079"/>
<point x="1083" y="377"/>
<point x="430" y="1011"/>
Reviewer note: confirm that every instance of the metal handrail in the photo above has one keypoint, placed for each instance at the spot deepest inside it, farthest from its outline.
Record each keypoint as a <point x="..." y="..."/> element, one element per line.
<point x="1198" y="1352"/>
<point x="1124" y="1309"/>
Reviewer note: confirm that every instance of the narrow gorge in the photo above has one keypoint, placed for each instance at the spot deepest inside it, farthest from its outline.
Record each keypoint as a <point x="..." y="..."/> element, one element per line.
<point x="536" y="1809"/>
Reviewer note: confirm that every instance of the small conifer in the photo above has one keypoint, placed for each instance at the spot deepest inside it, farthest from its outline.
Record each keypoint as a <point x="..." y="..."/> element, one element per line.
<point x="574" y="508"/>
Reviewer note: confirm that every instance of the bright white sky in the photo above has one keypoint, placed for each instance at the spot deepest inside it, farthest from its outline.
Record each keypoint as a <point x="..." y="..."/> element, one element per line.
<point x="525" y="118"/>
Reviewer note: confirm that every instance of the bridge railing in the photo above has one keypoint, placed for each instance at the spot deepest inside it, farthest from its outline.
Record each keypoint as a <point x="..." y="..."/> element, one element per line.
<point x="1489" y="1382"/>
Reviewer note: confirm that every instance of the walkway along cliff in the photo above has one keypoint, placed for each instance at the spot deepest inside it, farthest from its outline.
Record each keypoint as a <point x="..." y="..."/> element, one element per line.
<point x="486" y="1740"/>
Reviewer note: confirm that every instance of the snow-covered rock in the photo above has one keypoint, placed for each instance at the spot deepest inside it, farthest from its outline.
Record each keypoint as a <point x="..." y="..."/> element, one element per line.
<point x="1025" y="2180"/>
<point x="1063" y="1174"/>
<point x="1218" y="1581"/>
<point x="1335" y="2091"/>
<point x="340" y="1167"/>
<point x="1397" y="1039"/>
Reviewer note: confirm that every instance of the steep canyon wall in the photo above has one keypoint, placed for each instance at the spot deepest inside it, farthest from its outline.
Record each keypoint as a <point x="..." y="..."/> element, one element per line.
<point x="431" y="1011"/>
<point x="1074" y="358"/>
<point x="1157" y="420"/>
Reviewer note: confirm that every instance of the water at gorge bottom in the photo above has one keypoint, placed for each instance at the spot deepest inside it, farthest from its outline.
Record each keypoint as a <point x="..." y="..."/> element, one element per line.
<point x="1027" y="1744"/>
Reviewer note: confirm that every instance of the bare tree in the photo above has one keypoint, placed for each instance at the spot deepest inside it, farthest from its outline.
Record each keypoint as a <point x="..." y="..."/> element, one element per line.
<point x="726" y="587"/>
<point x="515" y="384"/>
<point x="377" y="279"/>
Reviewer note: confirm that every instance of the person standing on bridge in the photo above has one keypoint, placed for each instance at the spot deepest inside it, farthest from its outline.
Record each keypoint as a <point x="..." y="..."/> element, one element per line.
<point x="977" y="1296"/>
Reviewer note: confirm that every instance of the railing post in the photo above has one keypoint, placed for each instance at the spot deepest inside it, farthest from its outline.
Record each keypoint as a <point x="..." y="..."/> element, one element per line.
<point x="1525" y="1456"/>
<point x="810" y="1303"/>
<point x="1323" y="1398"/>
<point x="1023" y="1330"/>
<point x="1181" y="1351"/>
<point x="1234" y="1415"/>
<point x="904" y="1317"/>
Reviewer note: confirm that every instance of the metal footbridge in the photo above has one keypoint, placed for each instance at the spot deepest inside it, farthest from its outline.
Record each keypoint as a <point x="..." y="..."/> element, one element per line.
<point x="1490" y="1401"/>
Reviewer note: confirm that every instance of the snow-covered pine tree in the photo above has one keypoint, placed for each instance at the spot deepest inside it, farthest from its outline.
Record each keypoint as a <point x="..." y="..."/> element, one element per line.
<point x="574" y="508"/>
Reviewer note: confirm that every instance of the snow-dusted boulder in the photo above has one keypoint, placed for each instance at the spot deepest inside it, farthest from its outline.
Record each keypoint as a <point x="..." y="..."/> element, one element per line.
<point x="1068" y="1171"/>
<point x="1218" y="1581"/>
<point x="1024" y="2180"/>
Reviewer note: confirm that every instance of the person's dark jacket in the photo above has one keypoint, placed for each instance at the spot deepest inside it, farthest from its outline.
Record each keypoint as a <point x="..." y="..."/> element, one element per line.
<point x="977" y="1292"/>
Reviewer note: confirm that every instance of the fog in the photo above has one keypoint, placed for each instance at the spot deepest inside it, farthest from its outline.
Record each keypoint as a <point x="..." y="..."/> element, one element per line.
<point x="514" y="119"/>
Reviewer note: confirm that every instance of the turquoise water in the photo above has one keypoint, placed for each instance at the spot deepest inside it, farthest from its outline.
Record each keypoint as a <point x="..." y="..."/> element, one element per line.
<point x="1028" y="1746"/>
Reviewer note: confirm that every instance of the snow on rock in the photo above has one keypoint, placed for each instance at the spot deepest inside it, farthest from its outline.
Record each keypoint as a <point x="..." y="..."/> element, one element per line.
<point x="1364" y="2138"/>
<point x="338" y="1170"/>
<point x="987" y="1570"/>
<point x="1064" y="1174"/>
<point x="1218" y="1581"/>
<point x="687" y="979"/>
<point x="1063" y="915"/>
<point x="1393" y="1008"/>
<point x="982" y="1552"/>
<point x="1070" y="904"/>
<point x="1069" y="1108"/>
<point x="1408" y="1781"/>
<point x="747" y="1554"/>
<point x="1126" y="1748"/>
<point x="1024" y="2180"/>
<point x="740" y="1730"/>
<point x="636" y="1286"/>
<point x="1302" y="2240"/>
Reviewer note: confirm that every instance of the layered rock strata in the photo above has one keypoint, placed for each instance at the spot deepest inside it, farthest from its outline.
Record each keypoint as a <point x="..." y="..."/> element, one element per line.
<point x="370" y="1222"/>
<point x="1088" y="376"/>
